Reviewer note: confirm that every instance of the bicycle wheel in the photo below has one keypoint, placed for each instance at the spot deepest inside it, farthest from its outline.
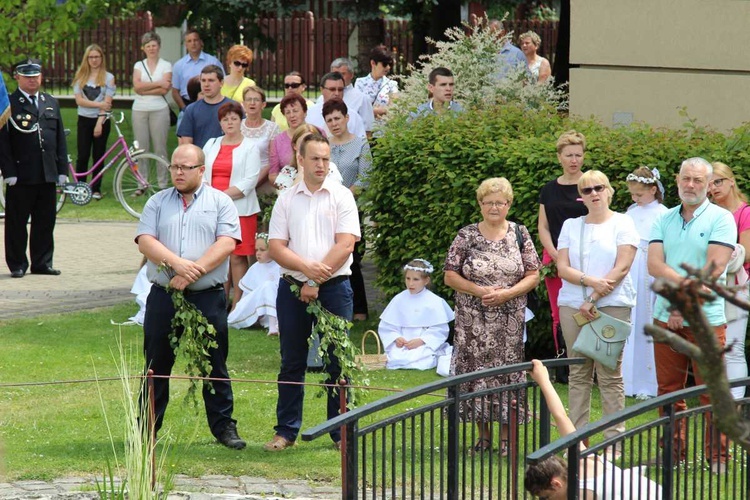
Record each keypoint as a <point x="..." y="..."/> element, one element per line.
<point x="131" y="189"/>
<point x="60" y="196"/>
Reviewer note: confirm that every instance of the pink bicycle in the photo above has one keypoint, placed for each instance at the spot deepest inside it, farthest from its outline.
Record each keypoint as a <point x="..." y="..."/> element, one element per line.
<point x="135" y="175"/>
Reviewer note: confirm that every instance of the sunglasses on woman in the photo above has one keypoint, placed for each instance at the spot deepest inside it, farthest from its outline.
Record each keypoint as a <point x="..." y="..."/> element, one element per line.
<point x="292" y="85"/>
<point x="588" y="190"/>
<point x="240" y="63"/>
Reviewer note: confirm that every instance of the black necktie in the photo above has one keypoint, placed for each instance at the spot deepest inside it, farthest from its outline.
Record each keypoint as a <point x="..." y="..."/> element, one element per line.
<point x="33" y="100"/>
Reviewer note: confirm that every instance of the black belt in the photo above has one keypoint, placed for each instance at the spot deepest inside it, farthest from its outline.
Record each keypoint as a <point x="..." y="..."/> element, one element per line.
<point x="330" y="282"/>
<point x="187" y="292"/>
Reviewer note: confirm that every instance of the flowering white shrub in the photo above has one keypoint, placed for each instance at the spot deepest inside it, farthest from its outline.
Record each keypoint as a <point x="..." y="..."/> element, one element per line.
<point x="471" y="53"/>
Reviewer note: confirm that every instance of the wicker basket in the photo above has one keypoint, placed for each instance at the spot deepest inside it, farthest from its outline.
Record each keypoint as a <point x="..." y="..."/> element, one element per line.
<point x="372" y="361"/>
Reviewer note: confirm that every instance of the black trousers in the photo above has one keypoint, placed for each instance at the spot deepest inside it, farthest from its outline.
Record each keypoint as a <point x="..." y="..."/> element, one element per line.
<point x="160" y="357"/>
<point x="38" y="201"/>
<point x="91" y="147"/>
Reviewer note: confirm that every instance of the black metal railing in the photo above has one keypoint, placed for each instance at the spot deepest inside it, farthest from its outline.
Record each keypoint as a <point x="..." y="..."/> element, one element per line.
<point x="421" y="443"/>
<point x="653" y="463"/>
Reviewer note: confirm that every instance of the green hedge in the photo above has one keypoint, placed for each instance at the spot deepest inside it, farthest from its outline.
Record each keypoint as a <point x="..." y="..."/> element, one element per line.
<point x="422" y="186"/>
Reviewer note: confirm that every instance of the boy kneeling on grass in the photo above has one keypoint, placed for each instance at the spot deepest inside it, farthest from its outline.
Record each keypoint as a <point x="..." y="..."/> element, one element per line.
<point x="600" y="479"/>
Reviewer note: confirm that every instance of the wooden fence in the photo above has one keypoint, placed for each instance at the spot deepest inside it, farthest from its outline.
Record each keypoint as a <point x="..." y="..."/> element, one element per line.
<point x="305" y="43"/>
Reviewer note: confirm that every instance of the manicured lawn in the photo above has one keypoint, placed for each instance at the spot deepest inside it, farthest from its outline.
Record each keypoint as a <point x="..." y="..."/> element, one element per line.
<point x="52" y="431"/>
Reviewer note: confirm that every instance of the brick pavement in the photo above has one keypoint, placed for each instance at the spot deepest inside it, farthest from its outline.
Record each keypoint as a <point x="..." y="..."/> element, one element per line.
<point x="98" y="261"/>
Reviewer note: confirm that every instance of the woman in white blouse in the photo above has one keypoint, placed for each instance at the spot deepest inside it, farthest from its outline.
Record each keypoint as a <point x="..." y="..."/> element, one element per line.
<point x="232" y="166"/>
<point x="258" y="129"/>
<point x="152" y="80"/>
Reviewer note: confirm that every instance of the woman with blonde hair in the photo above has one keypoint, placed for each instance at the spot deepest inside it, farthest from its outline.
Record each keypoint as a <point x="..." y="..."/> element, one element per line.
<point x="538" y="66"/>
<point x="94" y="89"/>
<point x="595" y="252"/>
<point x="724" y="192"/>
<point x="491" y="265"/>
<point x="558" y="201"/>
<point x="239" y="58"/>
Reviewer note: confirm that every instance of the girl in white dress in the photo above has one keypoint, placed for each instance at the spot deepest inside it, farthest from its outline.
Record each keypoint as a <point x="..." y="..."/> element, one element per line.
<point x="259" y="287"/>
<point x="638" y="366"/>
<point x="414" y="325"/>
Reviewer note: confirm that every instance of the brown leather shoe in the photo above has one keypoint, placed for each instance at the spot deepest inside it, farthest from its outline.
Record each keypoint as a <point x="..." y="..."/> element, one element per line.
<point x="278" y="443"/>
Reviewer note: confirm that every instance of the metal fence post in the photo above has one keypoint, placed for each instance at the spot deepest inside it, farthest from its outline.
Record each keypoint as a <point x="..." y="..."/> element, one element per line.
<point x="667" y="450"/>
<point x="452" y="414"/>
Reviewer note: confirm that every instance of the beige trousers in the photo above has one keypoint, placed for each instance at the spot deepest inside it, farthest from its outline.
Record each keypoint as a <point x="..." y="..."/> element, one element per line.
<point x="581" y="379"/>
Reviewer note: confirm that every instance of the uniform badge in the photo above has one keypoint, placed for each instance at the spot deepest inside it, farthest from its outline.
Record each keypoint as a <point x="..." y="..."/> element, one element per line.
<point x="24" y="123"/>
<point x="18" y="117"/>
<point x="28" y="117"/>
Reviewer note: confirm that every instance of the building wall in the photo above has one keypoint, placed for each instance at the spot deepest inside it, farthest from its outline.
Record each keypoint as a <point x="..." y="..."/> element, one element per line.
<point x="643" y="60"/>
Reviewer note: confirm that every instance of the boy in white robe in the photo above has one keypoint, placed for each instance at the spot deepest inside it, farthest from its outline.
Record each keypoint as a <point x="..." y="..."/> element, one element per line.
<point x="414" y="326"/>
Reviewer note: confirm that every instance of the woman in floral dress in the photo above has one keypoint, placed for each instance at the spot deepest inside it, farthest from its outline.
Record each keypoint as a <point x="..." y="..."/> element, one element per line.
<point x="491" y="276"/>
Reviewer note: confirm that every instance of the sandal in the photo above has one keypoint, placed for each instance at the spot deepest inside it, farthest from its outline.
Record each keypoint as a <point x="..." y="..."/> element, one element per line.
<point x="504" y="448"/>
<point x="482" y="445"/>
<point x="278" y="443"/>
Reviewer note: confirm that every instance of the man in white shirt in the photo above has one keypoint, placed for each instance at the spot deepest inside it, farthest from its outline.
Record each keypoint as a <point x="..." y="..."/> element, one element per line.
<point x="332" y="86"/>
<point x="313" y="229"/>
<point x="355" y="100"/>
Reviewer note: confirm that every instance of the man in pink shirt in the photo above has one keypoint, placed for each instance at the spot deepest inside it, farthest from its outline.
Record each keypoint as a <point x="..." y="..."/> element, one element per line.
<point x="313" y="228"/>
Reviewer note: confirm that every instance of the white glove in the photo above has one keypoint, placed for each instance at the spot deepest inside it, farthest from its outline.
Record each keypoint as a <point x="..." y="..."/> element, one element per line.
<point x="11" y="181"/>
<point x="62" y="179"/>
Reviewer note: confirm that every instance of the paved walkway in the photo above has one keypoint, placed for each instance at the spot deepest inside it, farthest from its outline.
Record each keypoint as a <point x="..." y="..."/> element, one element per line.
<point x="99" y="261"/>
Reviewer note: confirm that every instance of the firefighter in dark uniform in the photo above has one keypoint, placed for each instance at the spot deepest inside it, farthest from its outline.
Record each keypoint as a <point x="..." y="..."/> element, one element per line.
<point x="33" y="159"/>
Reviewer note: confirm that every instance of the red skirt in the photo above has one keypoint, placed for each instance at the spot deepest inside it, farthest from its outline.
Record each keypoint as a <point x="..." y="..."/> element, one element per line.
<point x="248" y="226"/>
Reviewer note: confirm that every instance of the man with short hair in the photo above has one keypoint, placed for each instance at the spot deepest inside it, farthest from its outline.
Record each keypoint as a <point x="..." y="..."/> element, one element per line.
<point x="201" y="119"/>
<point x="441" y="85"/>
<point x="510" y="60"/>
<point x="332" y="86"/>
<point x="189" y="66"/>
<point x="33" y="158"/>
<point x="192" y="228"/>
<point x="355" y="100"/>
<point x="313" y="229"/>
<point x="294" y="83"/>
<point x="701" y="234"/>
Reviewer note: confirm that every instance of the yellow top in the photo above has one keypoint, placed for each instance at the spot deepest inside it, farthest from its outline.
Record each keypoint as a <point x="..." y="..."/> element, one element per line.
<point x="235" y="92"/>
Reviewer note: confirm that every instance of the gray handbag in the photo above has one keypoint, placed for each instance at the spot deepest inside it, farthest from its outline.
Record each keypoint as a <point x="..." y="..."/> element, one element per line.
<point x="603" y="338"/>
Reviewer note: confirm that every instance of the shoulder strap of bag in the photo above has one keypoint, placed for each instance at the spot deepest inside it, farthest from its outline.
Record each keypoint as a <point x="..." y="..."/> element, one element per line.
<point x="580" y="254"/>
<point x="152" y="80"/>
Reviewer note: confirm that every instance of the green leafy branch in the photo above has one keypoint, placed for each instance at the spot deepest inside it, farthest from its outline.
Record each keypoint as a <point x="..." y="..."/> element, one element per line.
<point x="333" y="331"/>
<point x="197" y="337"/>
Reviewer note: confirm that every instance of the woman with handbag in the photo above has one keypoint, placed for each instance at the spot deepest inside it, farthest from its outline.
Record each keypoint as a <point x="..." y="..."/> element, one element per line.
<point x="152" y="80"/>
<point x="491" y="275"/>
<point x="595" y="252"/>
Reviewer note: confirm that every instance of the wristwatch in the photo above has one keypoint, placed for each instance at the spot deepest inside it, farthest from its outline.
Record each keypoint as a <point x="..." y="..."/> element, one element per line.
<point x="590" y="299"/>
<point x="312" y="284"/>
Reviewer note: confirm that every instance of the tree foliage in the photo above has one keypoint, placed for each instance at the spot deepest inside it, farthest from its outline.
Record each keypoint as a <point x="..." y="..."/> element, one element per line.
<point x="33" y="27"/>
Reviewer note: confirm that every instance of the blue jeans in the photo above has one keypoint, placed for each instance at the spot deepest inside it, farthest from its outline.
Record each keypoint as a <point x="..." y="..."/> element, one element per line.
<point x="295" y="327"/>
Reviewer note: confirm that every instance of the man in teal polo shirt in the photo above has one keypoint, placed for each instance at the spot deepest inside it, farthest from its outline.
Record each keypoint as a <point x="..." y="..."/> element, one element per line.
<point x="698" y="233"/>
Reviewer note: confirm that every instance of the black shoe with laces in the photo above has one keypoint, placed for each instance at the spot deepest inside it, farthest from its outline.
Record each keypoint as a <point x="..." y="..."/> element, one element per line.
<point x="229" y="437"/>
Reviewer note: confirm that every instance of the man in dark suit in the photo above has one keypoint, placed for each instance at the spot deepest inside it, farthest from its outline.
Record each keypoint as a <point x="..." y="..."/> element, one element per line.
<point x="33" y="158"/>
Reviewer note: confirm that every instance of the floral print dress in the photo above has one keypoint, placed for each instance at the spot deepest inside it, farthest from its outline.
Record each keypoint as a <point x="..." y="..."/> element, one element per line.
<point x="489" y="336"/>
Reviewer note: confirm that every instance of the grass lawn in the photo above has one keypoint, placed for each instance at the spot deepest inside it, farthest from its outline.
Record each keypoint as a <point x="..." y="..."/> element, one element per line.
<point x="52" y="431"/>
